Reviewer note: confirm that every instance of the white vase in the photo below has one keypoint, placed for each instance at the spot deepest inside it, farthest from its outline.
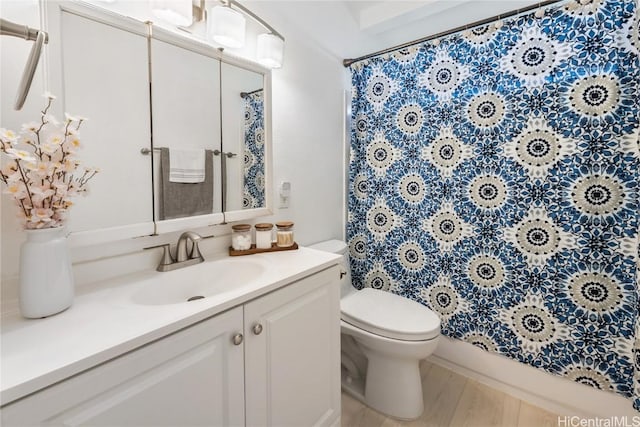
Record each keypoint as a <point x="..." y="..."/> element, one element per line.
<point x="46" y="278"/>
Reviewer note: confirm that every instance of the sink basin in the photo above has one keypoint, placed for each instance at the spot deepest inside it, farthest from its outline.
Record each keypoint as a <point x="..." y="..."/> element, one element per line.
<point x="197" y="282"/>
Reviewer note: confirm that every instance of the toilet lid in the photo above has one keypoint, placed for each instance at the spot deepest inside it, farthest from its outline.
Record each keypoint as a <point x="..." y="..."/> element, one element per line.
<point x="389" y="315"/>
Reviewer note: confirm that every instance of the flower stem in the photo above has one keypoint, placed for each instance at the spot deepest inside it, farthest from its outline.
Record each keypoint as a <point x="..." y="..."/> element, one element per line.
<point x="26" y="185"/>
<point x="24" y="209"/>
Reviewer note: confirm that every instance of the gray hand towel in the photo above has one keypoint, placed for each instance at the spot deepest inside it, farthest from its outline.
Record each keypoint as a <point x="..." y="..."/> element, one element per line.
<point x="178" y="200"/>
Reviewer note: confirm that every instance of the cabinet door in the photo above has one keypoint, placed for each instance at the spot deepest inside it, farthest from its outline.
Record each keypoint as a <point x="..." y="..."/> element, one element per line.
<point x="193" y="377"/>
<point x="292" y="366"/>
<point x="106" y="78"/>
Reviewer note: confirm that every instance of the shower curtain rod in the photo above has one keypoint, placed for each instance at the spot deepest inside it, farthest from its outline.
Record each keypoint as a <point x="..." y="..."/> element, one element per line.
<point x="348" y="62"/>
<point x="245" y="94"/>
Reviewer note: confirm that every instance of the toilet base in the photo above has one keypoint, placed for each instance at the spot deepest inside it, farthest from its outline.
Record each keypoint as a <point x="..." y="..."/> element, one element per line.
<point x="392" y="384"/>
<point x="379" y="389"/>
<point x="354" y="387"/>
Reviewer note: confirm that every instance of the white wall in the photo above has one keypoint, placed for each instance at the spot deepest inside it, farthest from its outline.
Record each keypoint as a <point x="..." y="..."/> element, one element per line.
<point x="308" y="119"/>
<point x="13" y="57"/>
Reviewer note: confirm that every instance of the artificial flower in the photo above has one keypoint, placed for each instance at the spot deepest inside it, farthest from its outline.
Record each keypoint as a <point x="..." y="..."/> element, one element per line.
<point x="49" y="119"/>
<point x="8" y="135"/>
<point x="31" y="127"/>
<point x="56" y="139"/>
<point x="43" y="175"/>
<point x="49" y="148"/>
<point x="42" y="169"/>
<point x="20" y="155"/>
<point x="41" y="193"/>
<point x="68" y="118"/>
<point x="16" y="190"/>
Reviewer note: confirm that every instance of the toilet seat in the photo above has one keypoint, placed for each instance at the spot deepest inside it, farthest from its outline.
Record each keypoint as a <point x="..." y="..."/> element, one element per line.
<point x="390" y="315"/>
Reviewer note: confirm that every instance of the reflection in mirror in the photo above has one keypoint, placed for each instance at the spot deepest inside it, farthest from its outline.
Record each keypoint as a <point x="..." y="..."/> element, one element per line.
<point x="186" y="131"/>
<point x="253" y="171"/>
<point x="243" y="137"/>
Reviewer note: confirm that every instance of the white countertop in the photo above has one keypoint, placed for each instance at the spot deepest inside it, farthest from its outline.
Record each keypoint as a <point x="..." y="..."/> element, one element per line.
<point x="105" y="321"/>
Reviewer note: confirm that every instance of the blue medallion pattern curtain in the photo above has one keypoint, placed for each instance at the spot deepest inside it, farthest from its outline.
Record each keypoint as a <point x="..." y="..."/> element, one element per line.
<point x="494" y="178"/>
<point x="253" y="187"/>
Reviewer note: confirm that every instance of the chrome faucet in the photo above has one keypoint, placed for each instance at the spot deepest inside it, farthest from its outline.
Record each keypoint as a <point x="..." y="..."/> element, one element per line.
<point x="184" y="257"/>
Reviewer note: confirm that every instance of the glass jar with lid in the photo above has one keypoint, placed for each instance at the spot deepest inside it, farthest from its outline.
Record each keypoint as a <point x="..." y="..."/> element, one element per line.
<point x="284" y="234"/>
<point x="241" y="237"/>
<point x="263" y="235"/>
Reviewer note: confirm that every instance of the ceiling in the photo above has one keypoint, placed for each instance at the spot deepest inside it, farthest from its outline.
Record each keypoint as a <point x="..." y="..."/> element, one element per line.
<point x="352" y="28"/>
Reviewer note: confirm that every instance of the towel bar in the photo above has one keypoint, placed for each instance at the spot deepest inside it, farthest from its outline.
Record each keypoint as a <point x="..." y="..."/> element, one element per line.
<point x="216" y="152"/>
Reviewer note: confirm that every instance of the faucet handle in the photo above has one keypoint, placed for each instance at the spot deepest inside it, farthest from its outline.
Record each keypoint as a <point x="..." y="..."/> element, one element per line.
<point x="166" y="259"/>
<point x="195" y="251"/>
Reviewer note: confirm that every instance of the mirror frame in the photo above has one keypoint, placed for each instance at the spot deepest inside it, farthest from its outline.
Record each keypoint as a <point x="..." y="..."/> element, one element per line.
<point x="54" y="78"/>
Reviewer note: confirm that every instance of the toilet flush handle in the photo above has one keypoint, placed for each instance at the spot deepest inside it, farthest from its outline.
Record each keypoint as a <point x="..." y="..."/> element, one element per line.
<point x="342" y="274"/>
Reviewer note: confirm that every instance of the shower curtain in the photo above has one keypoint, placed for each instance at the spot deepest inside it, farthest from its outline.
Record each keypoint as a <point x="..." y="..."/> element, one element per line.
<point x="494" y="178"/>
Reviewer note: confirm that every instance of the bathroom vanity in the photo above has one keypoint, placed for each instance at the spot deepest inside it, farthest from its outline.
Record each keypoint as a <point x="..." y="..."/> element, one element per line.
<point x="261" y="348"/>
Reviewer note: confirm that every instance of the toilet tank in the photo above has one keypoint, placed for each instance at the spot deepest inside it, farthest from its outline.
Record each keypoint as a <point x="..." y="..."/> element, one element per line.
<point x="338" y="247"/>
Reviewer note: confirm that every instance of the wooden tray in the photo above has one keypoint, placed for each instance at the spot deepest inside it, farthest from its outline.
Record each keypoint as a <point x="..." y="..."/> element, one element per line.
<point x="254" y="250"/>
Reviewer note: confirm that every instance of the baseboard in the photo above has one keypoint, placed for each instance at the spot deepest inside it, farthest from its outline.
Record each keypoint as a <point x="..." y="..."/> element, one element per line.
<point x="555" y="394"/>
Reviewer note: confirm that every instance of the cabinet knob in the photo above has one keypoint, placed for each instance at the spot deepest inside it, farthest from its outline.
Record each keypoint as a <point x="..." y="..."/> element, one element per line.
<point x="257" y="329"/>
<point x="237" y="339"/>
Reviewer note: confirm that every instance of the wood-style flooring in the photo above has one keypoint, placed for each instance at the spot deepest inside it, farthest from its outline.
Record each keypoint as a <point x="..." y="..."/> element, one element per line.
<point x="451" y="399"/>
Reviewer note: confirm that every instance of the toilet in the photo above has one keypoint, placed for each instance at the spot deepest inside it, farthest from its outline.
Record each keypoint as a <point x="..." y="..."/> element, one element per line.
<point x="383" y="339"/>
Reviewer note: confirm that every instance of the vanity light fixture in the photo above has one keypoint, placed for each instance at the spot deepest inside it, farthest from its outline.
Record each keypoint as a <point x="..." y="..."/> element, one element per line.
<point x="226" y="26"/>
<point x="176" y="12"/>
<point x="270" y="50"/>
<point x="270" y="46"/>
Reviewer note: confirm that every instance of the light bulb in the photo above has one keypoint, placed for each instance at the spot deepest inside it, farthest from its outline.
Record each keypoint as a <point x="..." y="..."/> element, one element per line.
<point x="226" y="27"/>
<point x="176" y="12"/>
<point x="270" y="50"/>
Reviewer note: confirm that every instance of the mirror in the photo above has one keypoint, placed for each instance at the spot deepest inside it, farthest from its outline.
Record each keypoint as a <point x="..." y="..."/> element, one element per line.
<point x="201" y="100"/>
<point x="185" y="107"/>
<point x="243" y="137"/>
<point x="105" y="78"/>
